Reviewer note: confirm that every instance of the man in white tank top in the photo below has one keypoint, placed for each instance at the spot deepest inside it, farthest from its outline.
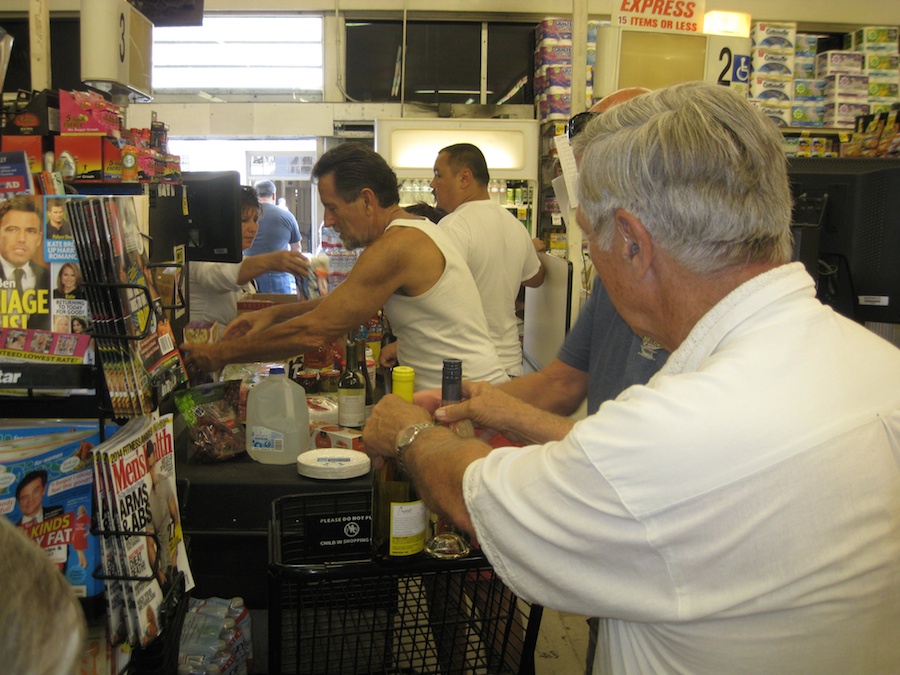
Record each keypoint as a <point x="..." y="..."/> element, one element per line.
<point x="408" y="267"/>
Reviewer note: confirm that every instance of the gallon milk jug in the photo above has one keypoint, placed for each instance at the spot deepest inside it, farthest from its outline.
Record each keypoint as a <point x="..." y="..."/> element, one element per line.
<point x="277" y="420"/>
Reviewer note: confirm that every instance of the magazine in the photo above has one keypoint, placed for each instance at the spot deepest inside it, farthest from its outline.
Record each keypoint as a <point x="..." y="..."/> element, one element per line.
<point x="21" y="345"/>
<point x="24" y="273"/>
<point x="137" y="478"/>
<point x="116" y="609"/>
<point x="138" y="346"/>
<point x="126" y="491"/>
<point x="15" y="174"/>
<point x="68" y="297"/>
<point x="46" y="487"/>
<point x="115" y="351"/>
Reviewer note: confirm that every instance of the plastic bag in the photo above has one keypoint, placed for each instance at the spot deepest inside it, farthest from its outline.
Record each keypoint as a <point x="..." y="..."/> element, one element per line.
<point x="212" y="423"/>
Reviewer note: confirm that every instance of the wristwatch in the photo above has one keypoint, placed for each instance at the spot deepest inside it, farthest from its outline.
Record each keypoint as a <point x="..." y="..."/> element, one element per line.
<point x="406" y="437"/>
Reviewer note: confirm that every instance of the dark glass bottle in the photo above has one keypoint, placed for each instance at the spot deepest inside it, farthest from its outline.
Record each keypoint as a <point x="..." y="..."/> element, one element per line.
<point x="364" y="372"/>
<point x="351" y="392"/>
<point x="387" y="337"/>
<point x="446" y="542"/>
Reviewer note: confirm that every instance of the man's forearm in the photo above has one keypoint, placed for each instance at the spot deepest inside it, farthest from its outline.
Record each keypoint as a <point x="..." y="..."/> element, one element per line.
<point x="437" y="464"/>
<point x="530" y="425"/>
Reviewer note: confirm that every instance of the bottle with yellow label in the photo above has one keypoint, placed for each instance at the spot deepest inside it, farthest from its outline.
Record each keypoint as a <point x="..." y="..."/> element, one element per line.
<point x="399" y="516"/>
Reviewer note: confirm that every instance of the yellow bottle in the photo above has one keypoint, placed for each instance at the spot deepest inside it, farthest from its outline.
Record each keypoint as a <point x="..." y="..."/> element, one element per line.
<point x="399" y="516"/>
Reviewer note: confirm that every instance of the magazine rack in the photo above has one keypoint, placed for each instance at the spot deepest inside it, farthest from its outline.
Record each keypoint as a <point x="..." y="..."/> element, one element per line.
<point x="160" y="657"/>
<point x="36" y="382"/>
<point x="366" y="616"/>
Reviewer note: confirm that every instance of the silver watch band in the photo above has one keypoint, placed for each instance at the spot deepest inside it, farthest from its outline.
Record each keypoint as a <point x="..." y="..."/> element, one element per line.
<point x="406" y="438"/>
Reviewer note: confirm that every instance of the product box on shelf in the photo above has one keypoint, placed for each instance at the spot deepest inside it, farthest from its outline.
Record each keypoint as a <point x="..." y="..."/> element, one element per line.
<point x="774" y="35"/>
<point x="806" y="45"/>
<point x="86" y="112"/>
<point x="837" y="61"/>
<point x="806" y="90"/>
<point x="804" y="67"/>
<point x="334" y="436"/>
<point x="807" y="114"/>
<point x="34" y="148"/>
<point x="844" y="113"/>
<point x="846" y="86"/>
<point x="772" y="64"/>
<point x="873" y="38"/>
<point x="556" y="76"/>
<point x="96" y="158"/>
<point x="553" y="28"/>
<point x="767" y="88"/>
<point x="883" y="89"/>
<point x="552" y="55"/>
<point x="86" y="153"/>
<point x="36" y="115"/>
<point x="881" y="63"/>
<point x="777" y="111"/>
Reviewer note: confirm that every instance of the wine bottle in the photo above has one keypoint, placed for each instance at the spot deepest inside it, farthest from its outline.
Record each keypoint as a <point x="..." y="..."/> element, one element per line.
<point x="399" y="515"/>
<point x="363" y="369"/>
<point x="351" y="392"/>
<point x="451" y="392"/>
<point x="387" y="337"/>
<point x="445" y="541"/>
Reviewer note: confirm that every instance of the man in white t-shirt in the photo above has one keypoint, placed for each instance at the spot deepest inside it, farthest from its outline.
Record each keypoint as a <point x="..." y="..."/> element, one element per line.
<point x="496" y="246"/>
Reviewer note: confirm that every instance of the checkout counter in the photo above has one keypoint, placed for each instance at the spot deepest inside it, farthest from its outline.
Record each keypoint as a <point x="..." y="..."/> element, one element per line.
<point x="227" y="511"/>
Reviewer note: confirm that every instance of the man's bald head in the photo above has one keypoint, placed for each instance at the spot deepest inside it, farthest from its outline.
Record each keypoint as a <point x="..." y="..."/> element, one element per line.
<point x="616" y="97"/>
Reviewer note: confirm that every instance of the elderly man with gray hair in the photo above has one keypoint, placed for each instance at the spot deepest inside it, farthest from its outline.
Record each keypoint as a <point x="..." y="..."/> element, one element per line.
<point x="740" y="512"/>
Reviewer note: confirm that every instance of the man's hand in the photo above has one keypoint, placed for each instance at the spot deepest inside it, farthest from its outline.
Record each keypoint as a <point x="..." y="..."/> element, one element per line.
<point x="248" y="322"/>
<point x="389" y="417"/>
<point x="388" y="355"/>
<point x="494" y="411"/>
<point x="200" y="358"/>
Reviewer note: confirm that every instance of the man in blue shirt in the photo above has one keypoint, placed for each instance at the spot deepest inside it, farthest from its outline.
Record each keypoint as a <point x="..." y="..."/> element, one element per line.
<point x="278" y="231"/>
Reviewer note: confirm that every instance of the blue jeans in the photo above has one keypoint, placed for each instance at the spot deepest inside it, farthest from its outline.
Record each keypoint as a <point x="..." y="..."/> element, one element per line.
<point x="274" y="282"/>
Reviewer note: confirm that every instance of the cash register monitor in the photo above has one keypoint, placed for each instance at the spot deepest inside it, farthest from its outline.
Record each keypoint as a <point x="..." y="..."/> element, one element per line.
<point x="859" y="237"/>
<point x="213" y="218"/>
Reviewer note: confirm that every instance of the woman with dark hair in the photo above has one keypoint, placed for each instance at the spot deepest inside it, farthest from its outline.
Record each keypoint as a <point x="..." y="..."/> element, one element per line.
<point x="216" y="287"/>
<point x="68" y="283"/>
<point x="79" y="324"/>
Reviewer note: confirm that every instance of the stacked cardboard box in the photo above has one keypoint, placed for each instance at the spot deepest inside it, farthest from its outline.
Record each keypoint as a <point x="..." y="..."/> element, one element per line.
<point x="553" y="67"/>
<point x="845" y="86"/>
<point x="878" y="46"/>
<point x="772" y="63"/>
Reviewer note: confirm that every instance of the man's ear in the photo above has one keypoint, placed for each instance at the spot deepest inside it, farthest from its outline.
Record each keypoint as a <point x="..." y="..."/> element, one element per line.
<point x="369" y="198"/>
<point x="636" y="243"/>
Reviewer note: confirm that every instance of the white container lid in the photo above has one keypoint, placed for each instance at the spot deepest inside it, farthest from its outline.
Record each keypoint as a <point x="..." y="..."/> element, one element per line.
<point x="333" y="463"/>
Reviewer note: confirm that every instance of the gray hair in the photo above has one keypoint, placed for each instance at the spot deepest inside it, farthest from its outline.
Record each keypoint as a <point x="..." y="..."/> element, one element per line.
<point x="265" y="188"/>
<point x="699" y="166"/>
<point x="42" y="627"/>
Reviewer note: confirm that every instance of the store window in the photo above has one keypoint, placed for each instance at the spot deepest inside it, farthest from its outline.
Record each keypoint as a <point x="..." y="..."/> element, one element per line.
<point x="443" y="61"/>
<point x="241" y="54"/>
